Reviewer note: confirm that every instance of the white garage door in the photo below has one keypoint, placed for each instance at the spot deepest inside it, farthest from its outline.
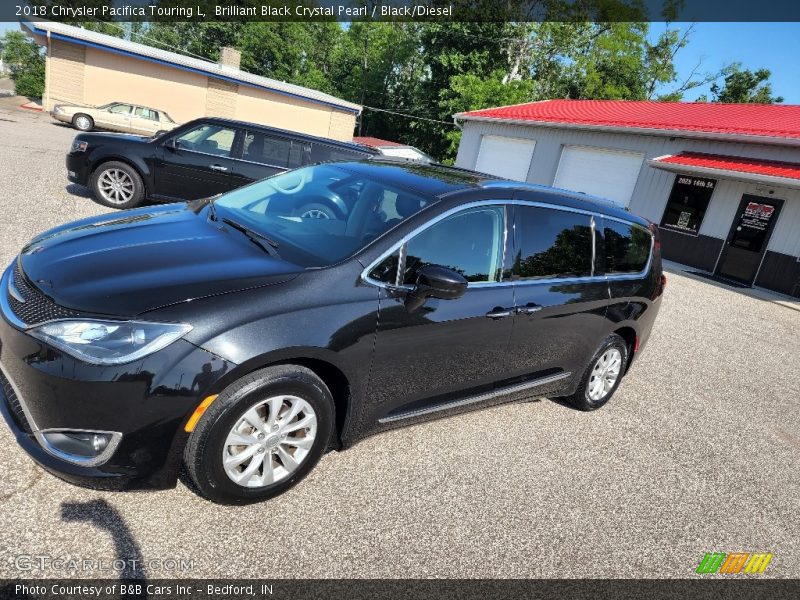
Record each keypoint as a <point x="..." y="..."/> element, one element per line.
<point x="506" y="157"/>
<point x="599" y="171"/>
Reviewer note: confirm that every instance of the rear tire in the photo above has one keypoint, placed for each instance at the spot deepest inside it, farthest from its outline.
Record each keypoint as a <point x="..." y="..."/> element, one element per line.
<point x="603" y="375"/>
<point x="82" y="122"/>
<point x="268" y="415"/>
<point x="117" y="184"/>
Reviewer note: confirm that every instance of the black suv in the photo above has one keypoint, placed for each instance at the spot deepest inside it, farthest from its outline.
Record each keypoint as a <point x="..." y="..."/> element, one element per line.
<point x="243" y="340"/>
<point x="197" y="160"/>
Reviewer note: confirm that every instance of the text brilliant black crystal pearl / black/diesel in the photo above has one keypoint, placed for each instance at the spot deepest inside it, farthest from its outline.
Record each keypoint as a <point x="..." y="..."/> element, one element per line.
<point x="245" y="337"/>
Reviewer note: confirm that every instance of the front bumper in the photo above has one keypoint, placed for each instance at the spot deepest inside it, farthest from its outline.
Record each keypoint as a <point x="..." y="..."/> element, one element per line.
<point x="78" y="168"/>
<point x="147" y="401"/>
<point x="61" y="116"/>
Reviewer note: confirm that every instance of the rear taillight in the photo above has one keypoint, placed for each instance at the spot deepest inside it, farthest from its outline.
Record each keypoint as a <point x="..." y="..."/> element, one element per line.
<point x="663" y="282"/>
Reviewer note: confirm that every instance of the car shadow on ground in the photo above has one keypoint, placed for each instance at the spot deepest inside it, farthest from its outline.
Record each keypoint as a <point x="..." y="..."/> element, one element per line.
<point x="79" y="190"/>
<point x="103" y="516"/>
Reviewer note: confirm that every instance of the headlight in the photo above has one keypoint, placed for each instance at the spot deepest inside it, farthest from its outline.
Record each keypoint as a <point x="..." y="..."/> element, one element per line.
<point x="79" y="146"/>
<point x="109" y="342"/>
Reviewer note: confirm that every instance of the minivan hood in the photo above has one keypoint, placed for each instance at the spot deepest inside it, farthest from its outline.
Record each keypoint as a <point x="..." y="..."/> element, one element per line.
<point x="128" y="263"/>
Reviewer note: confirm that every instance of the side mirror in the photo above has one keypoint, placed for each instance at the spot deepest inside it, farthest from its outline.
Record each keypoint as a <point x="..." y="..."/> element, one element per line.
<point x="434" y="281"/>
<point x="172" y="144"/>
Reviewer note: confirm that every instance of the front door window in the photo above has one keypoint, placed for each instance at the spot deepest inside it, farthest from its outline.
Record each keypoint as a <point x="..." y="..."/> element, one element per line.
<point x="208" y="139"/>
<point x="470" y="243"/>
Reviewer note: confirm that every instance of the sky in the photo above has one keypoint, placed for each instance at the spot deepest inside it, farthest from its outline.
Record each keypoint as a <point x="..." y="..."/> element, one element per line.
<point x="775" y="46"/>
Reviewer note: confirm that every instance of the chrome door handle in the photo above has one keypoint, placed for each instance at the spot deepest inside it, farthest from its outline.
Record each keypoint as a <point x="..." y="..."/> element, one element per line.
<point x="499" y="313"/>
<point x="218" y="168"/>
<point x="528" y="310"/>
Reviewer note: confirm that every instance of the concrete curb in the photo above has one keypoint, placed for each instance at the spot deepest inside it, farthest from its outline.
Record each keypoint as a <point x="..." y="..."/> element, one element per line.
<point x="755" y="292"/>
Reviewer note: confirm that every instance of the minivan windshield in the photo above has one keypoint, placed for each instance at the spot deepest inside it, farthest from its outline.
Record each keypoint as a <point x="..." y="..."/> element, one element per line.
<point x="321" y="214"/>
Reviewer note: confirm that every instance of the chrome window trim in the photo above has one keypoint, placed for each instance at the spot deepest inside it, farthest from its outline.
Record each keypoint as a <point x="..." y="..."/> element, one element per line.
<point x="594" y="245"/>
<point x="206" y="153"/>
<point x="261" y="164"/>
<point x="401" y="247"/>
<point x="518" y="202"/>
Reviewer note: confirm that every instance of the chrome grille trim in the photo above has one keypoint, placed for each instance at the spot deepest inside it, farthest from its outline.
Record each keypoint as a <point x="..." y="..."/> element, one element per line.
<point x="25" y="306"/>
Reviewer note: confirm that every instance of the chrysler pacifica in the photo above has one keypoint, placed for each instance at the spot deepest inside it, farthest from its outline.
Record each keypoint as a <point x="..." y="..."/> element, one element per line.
<point x="242" y="338"/>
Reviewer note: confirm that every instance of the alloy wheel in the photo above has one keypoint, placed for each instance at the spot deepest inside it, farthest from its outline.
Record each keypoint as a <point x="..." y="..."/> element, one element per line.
<point x="315" y="213"/>
<point x="605" y="373"/>
<point x="269" y="441"/>
<point x="83" y="123"/>
<point x="116" y="186"/>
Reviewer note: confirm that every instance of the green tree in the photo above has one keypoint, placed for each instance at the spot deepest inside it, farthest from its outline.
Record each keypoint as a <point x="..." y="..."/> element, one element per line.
<point x="746" y="86"/>
<point x="26" y="63"/>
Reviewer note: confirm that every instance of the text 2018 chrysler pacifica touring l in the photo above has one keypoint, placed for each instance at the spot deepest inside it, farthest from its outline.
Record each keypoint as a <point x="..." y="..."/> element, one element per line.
<point x="245" y="340"/>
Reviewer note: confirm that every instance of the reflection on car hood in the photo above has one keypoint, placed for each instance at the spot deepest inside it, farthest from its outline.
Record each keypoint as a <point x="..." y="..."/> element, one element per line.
<point x="128" y="263"/>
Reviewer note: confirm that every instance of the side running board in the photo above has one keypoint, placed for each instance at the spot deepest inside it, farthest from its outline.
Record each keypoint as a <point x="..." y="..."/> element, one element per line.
<point x="519" y="387"/>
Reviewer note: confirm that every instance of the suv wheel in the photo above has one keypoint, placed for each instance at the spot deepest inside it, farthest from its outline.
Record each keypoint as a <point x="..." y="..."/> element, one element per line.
<point x="117" y="185"/>
<point x="82" y="122"/>
<point x="262" y="435"/>
<point x="602" y="377"/>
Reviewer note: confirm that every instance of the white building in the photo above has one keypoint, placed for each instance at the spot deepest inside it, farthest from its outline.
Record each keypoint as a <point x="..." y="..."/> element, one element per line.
<point x="721" y="180"/>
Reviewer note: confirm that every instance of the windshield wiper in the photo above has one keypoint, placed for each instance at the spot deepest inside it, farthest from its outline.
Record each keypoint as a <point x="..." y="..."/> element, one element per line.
<point x="269" y="245"/>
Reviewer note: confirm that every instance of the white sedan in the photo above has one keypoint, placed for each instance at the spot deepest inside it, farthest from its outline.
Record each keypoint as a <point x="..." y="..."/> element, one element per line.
<point x="115" y="116"/>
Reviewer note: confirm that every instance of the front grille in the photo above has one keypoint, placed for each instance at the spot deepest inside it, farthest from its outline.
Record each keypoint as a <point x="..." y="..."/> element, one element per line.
<point x="13" y="404"/>
<point x="36" y="308"/>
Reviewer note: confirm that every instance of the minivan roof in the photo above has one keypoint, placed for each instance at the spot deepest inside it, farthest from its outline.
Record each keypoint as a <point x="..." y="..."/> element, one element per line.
<point x="293" y="134"/>
<point x="441" y="181"/>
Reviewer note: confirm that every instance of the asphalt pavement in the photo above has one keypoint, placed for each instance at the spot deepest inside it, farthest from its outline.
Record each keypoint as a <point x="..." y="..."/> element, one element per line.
<point x="698" y="451"/>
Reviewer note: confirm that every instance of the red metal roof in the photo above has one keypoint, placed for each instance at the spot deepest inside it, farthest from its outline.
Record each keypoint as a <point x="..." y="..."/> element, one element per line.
<point x="375" y="142"/>
<point x="768" y="120"/>
<point x="739" y="164"/>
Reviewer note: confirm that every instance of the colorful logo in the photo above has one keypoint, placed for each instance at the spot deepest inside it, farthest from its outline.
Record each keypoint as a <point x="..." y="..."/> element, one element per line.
<point x="734" y="562"/>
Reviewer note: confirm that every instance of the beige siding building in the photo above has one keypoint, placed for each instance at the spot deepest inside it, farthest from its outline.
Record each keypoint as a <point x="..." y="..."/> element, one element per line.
<point x="86" y="67"/>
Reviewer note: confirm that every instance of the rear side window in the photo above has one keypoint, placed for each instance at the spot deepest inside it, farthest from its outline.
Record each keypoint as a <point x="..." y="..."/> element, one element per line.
<point x="627" y="247"/>
<point x="146" y="113"/>
<point x="265" y="149"/>
<point x="551" y="243"/>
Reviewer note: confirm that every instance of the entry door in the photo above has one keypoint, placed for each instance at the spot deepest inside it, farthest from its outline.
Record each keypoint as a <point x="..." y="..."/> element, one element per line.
<point x="196" y="163"/>
<point x="748" y="238"/>
<point x="446" y="347"/>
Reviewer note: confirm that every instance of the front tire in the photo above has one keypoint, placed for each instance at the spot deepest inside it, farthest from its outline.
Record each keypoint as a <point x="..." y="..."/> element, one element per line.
<point x="117" y="184"/>
<point x="603" y="375"/>
<point x="83" y="122"/>
<point x="262" y="435"/>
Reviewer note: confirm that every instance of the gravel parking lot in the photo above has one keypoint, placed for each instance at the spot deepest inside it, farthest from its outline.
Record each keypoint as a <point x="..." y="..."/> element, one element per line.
<point x="697" y="452"/>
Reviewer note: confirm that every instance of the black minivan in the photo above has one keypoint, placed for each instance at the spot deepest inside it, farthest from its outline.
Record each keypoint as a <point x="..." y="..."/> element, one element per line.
<point x="199" y="159"/>
<point x="243" y="338"/>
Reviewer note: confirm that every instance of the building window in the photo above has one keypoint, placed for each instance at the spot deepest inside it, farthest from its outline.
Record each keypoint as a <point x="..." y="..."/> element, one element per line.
<point x="688" y="203"/>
